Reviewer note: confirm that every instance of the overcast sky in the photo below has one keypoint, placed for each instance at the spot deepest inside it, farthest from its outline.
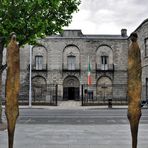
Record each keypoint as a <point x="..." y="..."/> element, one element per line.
<point x="109" y="16"/>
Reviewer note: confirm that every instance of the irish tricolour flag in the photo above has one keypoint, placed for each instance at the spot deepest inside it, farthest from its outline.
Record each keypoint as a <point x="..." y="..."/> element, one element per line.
<point x="89" y="74"/>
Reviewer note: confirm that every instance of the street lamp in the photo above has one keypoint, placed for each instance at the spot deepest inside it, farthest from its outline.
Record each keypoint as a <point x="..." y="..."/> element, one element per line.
<point x="30" y="83"/>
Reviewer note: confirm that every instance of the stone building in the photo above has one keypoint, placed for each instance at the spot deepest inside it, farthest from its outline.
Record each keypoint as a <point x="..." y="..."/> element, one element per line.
<point x="63" y="60"/>
<point x="142" y="31"/>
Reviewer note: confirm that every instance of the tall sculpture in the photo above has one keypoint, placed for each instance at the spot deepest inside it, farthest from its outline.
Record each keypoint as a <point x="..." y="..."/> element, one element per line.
<point x="134" y="87"/>
<point x="12" y="87"/>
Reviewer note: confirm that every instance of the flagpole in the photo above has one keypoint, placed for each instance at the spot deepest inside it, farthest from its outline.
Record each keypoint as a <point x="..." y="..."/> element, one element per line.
<point x="89" y="72"/>
<point x="30" y="83"/>
<point x="89" y="76"/>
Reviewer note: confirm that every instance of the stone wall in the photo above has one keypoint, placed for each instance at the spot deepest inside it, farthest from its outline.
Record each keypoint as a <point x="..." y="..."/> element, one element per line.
<point x="142" y="32"/>
<point x="55" y="50"/>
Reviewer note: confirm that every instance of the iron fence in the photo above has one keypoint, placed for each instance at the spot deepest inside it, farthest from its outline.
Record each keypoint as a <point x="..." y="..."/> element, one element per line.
<point x="104" y="94"/>
<point x="43" y="94"/>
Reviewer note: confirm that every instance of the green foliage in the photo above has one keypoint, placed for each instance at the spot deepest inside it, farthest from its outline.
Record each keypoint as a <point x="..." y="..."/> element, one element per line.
<point x="32" y="19"/>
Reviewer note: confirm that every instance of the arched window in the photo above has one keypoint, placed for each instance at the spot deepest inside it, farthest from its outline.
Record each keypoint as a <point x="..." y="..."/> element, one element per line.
<point x="71" y="58"/>
<point x="104" y="58"/>
<point x="39" y="62"/>
<point x="39" y="58"/>
<point x="71" y="61"/>
<point x="146" y="47"/>
<point x="146" y="88"/>
<point x="104" y="62"/>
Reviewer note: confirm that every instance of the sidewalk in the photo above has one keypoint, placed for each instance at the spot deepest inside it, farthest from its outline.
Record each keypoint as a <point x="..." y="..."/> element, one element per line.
<point x="74" y="136"/>
<point x="72" y="105"/>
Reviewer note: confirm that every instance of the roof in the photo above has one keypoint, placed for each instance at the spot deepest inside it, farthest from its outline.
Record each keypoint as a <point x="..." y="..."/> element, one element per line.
<point x="77" y="34"/>
<point x="145" y="21"/>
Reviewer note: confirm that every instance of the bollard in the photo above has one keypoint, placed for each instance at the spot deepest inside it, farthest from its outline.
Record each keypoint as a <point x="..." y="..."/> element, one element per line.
<point x="109" y="103"/>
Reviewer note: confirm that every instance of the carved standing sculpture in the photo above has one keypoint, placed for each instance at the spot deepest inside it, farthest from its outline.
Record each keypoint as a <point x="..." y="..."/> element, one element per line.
<point x="12" y="87"/>
<point x="134" y="87"/>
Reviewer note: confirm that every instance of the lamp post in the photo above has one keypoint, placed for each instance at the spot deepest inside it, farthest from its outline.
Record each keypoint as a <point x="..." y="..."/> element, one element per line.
<point x="30" y="75"/>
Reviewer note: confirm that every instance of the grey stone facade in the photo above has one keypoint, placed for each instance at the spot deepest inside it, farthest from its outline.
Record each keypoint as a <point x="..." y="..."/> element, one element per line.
<point x="142" y="31"/>
<point x="52" y="62"/>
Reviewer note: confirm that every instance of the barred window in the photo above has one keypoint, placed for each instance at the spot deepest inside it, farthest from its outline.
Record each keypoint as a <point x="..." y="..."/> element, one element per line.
<point x="146" y="47"/>
<point x="146" y="88"/>
<point x="71" y="61"/>
<point x="39" y="62"/>
<point x="104" y="62"/>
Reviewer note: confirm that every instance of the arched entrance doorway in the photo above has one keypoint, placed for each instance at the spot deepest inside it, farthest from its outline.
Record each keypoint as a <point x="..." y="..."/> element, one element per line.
<point x="104" y="88"/>
<point x="71" y="88"/>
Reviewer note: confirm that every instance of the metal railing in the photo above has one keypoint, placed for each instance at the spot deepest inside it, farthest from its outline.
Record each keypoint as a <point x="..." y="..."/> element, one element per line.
<point x="49" y="94"/>
<point x="41" y="95"/>
<point x="43" y="67"/>
<point x="104" y="67"/>
<point x="67" y="68"/>
<point x="102" y="94"/>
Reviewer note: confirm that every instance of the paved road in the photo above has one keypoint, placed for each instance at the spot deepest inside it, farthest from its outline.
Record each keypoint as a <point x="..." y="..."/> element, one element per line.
<point x="89" y="128"/>
<point x="80" y="116"/>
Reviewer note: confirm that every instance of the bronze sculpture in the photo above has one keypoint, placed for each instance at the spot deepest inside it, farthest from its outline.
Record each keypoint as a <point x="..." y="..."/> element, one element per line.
<point x="12" y="87"/>
<point x="134" y="87"/>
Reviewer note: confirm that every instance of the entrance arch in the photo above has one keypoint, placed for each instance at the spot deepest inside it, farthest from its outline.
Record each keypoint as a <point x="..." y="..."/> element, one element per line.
<point x="71" y="88"/>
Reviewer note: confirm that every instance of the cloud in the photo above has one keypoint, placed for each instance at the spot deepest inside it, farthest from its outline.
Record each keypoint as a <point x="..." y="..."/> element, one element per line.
<point x="109" y="16"/>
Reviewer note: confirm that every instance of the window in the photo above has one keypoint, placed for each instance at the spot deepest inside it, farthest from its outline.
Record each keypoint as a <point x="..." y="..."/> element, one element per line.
<point x="146" y="88"/>
<point x="146" y="47"/>
<point x="71" y="61"/>
<point x="39" y="62"/>
<point x="104" y="62"/>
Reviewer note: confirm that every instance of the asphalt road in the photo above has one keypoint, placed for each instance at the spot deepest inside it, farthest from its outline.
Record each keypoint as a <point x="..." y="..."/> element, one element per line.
<point x="75" y="128"/>
<point x="74" y="117"/>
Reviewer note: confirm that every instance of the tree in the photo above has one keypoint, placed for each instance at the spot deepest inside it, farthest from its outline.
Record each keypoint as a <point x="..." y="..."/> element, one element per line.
<point x="32" y="19"/>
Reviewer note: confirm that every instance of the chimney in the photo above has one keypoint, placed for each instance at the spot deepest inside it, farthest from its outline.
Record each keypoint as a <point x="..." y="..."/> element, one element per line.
<point x="72" y="33"/>
<point x="124" y="32"/>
